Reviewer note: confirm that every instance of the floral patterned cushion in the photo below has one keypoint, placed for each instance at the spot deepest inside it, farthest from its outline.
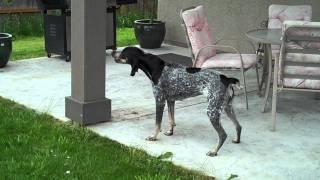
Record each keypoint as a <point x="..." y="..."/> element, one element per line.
<point x="280" y="13"/>
<point x="301" y="70"/>
<point x="301" y="83"/>
<point x="304" y="29"/>
<point x="199" y="33"/>
<point x="229" y="60"/>
<point x="300" y="29"/>
<point x="300" y="57"/>
<point x="276" y="48"/>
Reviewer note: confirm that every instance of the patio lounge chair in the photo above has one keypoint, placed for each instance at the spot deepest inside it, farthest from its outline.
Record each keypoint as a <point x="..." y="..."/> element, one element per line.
<point x="277" y="15"/>
<point x="299" y="66"/>
<point x="280" y="13"/>
<point x="204" y="50"/>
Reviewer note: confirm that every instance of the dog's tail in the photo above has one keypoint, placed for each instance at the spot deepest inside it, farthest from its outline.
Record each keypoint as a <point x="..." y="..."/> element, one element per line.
<point x="229" y="81"/>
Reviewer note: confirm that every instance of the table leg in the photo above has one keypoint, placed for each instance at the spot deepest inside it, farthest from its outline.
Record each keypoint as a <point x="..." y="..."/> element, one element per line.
<point x="263" y="77"/>
<point x="268" y="62"/>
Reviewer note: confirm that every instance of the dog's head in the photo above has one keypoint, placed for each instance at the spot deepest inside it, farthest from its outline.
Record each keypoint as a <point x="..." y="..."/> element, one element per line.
<point x="129" y="55"/>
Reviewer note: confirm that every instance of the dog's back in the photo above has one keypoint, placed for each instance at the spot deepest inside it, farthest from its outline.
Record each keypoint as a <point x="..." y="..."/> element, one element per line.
<point x="176" y="83"/>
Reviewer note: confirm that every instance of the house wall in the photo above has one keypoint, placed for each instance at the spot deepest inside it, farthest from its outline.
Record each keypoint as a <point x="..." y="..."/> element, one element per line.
<point x="228" y="18"/>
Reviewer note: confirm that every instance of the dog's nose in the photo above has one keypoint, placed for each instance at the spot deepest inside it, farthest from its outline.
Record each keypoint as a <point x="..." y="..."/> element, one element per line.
<point x="114" y="53"/>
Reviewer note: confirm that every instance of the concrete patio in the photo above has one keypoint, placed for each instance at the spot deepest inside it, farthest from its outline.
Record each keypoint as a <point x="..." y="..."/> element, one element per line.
<point x="292" y="152"/>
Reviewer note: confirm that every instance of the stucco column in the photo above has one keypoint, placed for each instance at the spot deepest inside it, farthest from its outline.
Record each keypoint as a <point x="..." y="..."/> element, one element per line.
<point x="87" y="104"/>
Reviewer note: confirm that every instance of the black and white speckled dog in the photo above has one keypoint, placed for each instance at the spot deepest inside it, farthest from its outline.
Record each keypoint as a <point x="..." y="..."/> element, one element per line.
<point x="172" y="82"/>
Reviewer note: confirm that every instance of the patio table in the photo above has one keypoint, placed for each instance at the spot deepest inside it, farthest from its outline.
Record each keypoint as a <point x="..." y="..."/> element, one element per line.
<point x="266" y="37"/>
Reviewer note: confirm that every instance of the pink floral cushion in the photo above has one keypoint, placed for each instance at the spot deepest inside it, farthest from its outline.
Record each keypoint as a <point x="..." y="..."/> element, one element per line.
<point x="229" y="60"/>
<point x="301" y="70"/>
<point x="301" y="83"/>
<point x="276" y="48"/>
<point x="280" y="13"/>
<point x="300" y="29"/>
<point x="300" y="57"/>
<point x="304" y="29"/>
<point x="199" y="33"/>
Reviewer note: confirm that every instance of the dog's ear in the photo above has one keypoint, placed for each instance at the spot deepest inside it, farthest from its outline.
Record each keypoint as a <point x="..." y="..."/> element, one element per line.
<point x="134" y="66"/>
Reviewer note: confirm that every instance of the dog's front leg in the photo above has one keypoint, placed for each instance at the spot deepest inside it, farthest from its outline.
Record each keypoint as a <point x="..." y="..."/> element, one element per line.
<point x="160" y="104"/>
<point x="172" y="124"/>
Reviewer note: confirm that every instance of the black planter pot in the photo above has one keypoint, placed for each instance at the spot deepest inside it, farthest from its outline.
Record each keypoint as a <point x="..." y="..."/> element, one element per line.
<point x="149" y="35"/>
<point x="5" y="48"/>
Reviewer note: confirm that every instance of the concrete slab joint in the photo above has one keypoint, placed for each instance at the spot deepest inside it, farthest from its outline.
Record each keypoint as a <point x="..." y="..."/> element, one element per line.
<point x="87" y="103"/>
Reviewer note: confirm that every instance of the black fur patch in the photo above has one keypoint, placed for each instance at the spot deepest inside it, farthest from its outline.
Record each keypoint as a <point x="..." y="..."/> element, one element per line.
<point x="193" y="70"/>
<point x="227" y="81"/>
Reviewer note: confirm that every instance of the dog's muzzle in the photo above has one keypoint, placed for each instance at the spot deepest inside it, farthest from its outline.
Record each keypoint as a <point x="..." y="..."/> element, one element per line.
<point x="238" y="86"/>
<point x="116" y="55"/>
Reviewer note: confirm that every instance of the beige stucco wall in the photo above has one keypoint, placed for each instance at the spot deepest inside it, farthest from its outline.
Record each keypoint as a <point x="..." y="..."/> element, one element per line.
<point x="228" y="18"/>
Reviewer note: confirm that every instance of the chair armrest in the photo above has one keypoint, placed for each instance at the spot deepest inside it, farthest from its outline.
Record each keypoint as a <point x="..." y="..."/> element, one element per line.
<point x="251" y="45"/>
<point x="233" y="50"/>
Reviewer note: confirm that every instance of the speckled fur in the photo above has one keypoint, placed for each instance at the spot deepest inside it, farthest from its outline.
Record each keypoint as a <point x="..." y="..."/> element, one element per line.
<point x="175" y="83"/>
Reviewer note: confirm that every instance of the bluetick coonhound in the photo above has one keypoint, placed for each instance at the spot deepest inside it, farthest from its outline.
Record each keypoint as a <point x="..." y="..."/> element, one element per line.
<point x="172" y="82"/>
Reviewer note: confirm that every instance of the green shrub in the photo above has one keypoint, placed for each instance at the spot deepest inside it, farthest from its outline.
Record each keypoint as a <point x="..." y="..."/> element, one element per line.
<point x="22" y="24"/>
<point x="32" y="24"/>
<point x="127" y="20"/>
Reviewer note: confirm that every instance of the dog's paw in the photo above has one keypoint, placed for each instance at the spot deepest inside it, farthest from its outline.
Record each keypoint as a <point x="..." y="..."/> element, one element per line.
<point x="212" y="153"/>
<point x="168" y="133"/>
<point x="236" y="141"/>
<point x="151" y="138"/>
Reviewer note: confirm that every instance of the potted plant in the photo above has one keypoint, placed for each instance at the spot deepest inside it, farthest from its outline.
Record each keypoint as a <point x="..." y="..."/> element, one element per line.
<point x="150" y="33"/>
<point x="5" y="48"/>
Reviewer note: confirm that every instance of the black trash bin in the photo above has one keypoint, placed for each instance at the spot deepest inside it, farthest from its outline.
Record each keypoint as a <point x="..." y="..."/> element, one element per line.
<point x="5" y="48"/>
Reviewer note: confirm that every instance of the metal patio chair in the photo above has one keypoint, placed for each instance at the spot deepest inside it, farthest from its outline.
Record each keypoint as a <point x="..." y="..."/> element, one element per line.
<point x="280" y="13"/>
<point x="204" y="51"/>
<point x="298" y="67"/>
<point x="277" y="14"/>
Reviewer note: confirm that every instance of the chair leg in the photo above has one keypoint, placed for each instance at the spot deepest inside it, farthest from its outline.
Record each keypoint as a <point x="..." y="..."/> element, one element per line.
<point x="258" y="81"/>
<point x="245" y="89"/>
<point x="274" y="94"/>
<point x="274" y="108"/>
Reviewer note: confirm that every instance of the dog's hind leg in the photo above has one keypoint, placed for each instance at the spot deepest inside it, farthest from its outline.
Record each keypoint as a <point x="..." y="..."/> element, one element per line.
<point x="159" y="113"/>
<point x="172" y="124"/>
<point x="230" y="113"/>
<point x="214" y="112"/>
<point x="215" y="121"/>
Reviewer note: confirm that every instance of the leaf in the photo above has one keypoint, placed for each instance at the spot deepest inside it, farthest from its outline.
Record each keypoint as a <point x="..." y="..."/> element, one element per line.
<point x="166" y="155"/>
<point x="232" y="176"/>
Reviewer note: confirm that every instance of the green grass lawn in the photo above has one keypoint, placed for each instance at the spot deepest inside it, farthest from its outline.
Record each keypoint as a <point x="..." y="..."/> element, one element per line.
<point x="125" y="37"/>
<point x="27" y="47"/>
<point x="32" y="47"/>
<point x="37" y="146"/>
